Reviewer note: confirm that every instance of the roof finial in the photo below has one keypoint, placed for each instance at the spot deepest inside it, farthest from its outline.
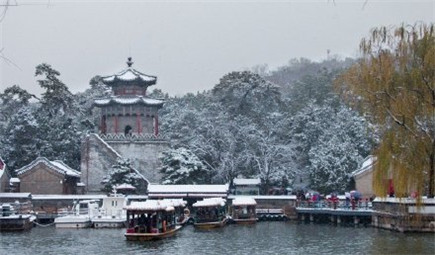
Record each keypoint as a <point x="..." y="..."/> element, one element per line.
<point x="129" y="62"/>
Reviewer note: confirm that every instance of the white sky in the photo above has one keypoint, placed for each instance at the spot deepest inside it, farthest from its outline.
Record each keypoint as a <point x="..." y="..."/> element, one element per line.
<point x="189" y="45"/>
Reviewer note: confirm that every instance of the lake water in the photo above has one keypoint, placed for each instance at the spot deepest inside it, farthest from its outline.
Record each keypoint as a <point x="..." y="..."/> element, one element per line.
<point x="261" y="238"/>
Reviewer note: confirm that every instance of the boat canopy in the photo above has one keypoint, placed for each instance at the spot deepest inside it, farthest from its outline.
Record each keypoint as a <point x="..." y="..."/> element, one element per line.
<point x="151" y="205"/>
<point x="209" y="202"/>
<point x="241" y="201"/>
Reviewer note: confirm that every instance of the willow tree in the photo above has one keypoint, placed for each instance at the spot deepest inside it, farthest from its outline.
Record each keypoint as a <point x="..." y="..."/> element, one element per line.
<point x="393" y="83"/>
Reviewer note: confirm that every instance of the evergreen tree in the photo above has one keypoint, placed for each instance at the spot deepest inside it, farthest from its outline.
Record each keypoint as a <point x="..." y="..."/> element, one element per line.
<point x="122" y="173"/>
<point x="181" y="166"/>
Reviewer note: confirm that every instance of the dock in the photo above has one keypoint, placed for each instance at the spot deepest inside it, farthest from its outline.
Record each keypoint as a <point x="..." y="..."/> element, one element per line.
<point x="339" y="213"/>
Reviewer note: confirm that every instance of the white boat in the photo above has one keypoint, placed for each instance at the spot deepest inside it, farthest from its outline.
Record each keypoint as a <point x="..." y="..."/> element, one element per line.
<point x="112" y="213"/>
<point x="81" y="216"/>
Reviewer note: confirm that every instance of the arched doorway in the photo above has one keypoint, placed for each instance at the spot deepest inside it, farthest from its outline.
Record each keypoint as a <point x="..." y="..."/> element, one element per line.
<point x="127" y="130"/>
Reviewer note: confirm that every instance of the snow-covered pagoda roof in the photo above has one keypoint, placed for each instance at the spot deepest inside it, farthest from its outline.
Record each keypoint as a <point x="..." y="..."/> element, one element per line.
<point x="128" y="100"/>
<point x="241" y="181"/>
<point x="129" y="75"/>
<point x="209" y="202"/>
<point x="55" y="165"/>
<point x="240" y="201"/>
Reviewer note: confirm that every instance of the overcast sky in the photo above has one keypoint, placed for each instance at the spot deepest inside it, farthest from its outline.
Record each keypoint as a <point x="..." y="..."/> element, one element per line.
<point x="189" y="45"/>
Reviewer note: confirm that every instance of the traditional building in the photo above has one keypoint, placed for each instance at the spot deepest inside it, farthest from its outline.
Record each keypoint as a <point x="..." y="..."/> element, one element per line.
<point x="129" y="128"/>
<point x="363" y="177"/>
<point x="246" y="186"/>
<point x="48" y="177"/>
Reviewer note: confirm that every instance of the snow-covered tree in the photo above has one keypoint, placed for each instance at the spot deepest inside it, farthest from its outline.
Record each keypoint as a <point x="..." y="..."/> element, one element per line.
<point x="122" y="173"/>
<point x="20" y="145"/>
<point x="330" y="143"/>
<point x="182" y="166"/>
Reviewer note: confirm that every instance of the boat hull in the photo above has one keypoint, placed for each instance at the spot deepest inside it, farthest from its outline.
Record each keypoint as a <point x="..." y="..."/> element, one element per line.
<point x="109" y="223"/>
<point x="72" y="222"/>
<point x="151" y="236"/>
<point x="16" y="223"/>
<point x="245" y="221"/>
<point x="211" y="225"/>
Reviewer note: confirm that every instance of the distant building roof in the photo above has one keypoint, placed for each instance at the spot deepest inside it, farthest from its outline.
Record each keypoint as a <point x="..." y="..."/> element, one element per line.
<point x="183" y="191"/>
<point x="240" y="181"/>
<point x="366" y="165"/>
<point x="153" y="188"/>
<point x="125" y="186"/>
<point x="55" y="165"/>
<point x="16" y="195"/>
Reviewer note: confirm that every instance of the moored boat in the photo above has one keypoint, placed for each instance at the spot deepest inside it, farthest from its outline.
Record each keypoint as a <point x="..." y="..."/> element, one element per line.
<point x="150" y="220"/>
<point x="210" y="213"/>
<point x="81" y="216"/>
<point x="111" y="214"/>
<point x="243" y="210"/>
<point x="10" y="221"/>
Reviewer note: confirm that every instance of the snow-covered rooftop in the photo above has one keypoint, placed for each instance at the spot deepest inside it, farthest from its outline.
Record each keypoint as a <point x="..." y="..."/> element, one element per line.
<point x="128" y="100"/>
<point x="125" y="186"/>
<point x="56" y="165"/>
<point x="240" y="201"/>
<point x="207" y="202"/>
<point x="366" y="165"/>
<point x="241" y="181"/>
<point x="151" y="205"/>
<point x="153" y="188"/>
<point x="425" y="200"/>
<point x="16" y="195"/>
<point x="130" y="74"/>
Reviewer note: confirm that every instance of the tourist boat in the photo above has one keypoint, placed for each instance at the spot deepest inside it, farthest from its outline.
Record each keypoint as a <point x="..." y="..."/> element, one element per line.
<point x="182" y="214"/>
<point x="12" y="221"/>
<point x="150" y="220"/>
<point x="243" y="210"/>
<point x="80" y="217"/>
<point x="111" y="214"/>
<point x="210" y="213"/>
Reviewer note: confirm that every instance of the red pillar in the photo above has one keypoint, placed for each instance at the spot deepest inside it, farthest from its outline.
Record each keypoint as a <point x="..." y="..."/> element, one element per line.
<point x="138" y="123"/>
<point x="103" y="125"/>
<point x="116" y="124"/>
<point x="156" y="125"/>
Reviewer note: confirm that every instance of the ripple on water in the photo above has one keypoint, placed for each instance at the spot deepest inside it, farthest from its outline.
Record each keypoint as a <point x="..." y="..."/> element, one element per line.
<point x="261" y="238"/>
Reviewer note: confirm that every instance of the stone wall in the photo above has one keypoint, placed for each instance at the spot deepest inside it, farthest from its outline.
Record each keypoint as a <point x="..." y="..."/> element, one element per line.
<point x="98" y="156"/>
<point x="364" y="183"/>
<point x="144" y="156"/>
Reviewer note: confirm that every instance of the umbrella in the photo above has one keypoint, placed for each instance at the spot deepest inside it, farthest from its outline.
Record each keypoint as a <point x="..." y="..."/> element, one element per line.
<point x="355" y="194"/>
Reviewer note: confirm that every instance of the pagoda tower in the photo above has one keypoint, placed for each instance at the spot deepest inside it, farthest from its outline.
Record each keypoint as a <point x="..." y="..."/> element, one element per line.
<point x="129" y="111"/>
<point x="129" y="128"/>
